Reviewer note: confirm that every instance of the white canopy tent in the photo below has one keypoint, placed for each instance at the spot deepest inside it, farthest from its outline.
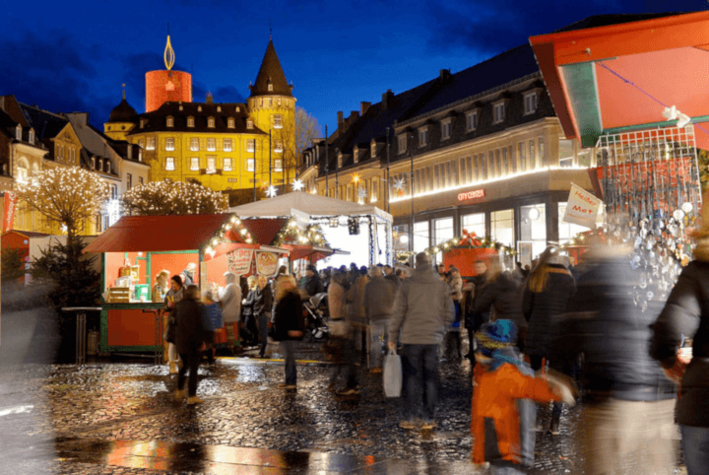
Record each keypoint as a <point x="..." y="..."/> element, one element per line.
<point x="335" y="217"/>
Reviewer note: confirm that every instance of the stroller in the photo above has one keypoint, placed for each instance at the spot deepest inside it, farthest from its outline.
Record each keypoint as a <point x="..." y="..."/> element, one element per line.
<point x="316" y="311"/>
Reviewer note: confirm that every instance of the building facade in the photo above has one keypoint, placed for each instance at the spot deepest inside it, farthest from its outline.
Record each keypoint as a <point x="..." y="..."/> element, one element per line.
<point x="480" y="150"/>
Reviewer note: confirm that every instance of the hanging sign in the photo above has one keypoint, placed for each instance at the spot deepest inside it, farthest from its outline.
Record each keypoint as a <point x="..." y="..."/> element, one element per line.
<point x="9" y="211"/>
<point x="239" y="261"/>
<point x="266" y="263"/>
<point x="471" y="195"/>
<point x="582" y="207"/>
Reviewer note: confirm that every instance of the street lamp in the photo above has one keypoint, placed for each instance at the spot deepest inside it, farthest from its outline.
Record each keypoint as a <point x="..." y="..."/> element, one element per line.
<point x="409" y="136"/>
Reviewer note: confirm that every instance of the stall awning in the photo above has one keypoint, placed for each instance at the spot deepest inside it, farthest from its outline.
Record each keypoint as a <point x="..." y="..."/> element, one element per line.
<point x="619" y="77"/>
<point x="264" y="230"/>
<point x="304" y="251"/>
<point x="158" y="233"/>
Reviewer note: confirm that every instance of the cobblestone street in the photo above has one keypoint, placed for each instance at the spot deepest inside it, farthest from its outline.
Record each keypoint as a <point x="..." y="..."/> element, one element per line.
<point x="122" y="418"/>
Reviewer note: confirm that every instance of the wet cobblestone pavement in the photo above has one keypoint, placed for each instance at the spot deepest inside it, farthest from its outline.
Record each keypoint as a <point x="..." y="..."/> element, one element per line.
<point x="111" y="418"/>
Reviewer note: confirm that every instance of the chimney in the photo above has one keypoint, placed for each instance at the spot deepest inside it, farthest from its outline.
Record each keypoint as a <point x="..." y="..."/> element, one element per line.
<point x="354" y="115"/>
<point x="363" y="106"/>
<point x="386" y="99"/>
<point x="340" y="120"/>
<point x="210" y="98"/>
<point x="444" y="74"/>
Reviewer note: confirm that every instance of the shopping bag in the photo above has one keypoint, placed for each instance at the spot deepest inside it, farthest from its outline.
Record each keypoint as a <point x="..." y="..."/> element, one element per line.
<point x="392" y="375"/>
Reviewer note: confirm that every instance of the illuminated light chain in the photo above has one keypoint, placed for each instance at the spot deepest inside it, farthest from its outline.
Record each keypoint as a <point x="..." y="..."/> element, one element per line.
<point x="220" y="237"/>
<point x="479" y="243"/>
<point x="168" y="198"/>
<point x="292" y="234"/>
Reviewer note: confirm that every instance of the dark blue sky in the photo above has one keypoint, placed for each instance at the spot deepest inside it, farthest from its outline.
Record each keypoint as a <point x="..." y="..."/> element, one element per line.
<point x="74" y="55"/>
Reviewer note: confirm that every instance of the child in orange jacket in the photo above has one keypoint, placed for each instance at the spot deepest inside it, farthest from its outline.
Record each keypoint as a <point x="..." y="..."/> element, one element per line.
<point x="503" y="413"/>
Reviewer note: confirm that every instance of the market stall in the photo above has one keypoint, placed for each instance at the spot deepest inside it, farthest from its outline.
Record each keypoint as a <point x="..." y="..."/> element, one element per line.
<point x="137" y="248"/>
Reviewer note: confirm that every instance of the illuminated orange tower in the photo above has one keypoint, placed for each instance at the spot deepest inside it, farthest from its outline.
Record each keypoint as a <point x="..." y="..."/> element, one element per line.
<point x="167" y="85"/>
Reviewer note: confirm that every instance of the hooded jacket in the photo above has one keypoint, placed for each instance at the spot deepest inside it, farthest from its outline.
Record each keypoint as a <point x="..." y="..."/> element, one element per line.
<point x="190" y="332"/>
<point x="423" y="309"/>
<point x="505" y="294"/>
<point x="379" y="299"/>
<point x="230" y="298"/>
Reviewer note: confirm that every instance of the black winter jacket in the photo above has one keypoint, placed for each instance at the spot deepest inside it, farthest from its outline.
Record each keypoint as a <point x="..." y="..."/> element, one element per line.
<point x="613" y="334"/>
<point x="540" y="308"/>
<point x="686" y="313"/>
<point x="505" y="294"/>
<point x="190" y="332"/>
<point x="288" y="315"/>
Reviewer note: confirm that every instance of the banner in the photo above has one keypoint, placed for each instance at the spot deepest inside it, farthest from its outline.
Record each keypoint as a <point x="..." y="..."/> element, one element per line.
<point x="9" y="211"/>
<point x="266" y="263"/>
<point x="582" y="207"/>
<point x="239" y="261"/>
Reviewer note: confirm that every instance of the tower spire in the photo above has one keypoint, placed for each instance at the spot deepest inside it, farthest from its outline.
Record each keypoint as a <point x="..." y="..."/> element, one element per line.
<point x="270" y="30"/>
<point x="124" y="91"/>
<point x="169" y="54"/>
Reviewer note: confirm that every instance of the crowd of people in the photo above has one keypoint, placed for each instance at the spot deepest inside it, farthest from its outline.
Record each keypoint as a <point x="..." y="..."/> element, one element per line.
<point x="533" y="335"/>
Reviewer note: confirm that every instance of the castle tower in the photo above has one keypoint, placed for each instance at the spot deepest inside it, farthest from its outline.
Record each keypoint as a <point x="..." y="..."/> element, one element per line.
<point x="122" y="120"/>
<point x="272" y="107"/>
<point x="167" y="85"/>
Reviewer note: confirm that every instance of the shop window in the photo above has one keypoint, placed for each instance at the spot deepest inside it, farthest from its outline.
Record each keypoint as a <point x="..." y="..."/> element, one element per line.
<point x="211" y="144"/>
<point x="442" y="232"/>
<point x="474" y="223"/>
<point x="227" y="145"/>
<point x="227" y="165"/>
<point x="566" y="153"/>
<point x="194" y="144"/>
<point x="502" y="226"/>
<point x="194" y="163"/>
<point x="170" y="163"/>
<point x="421" y="240"/>
<point x="567" y="231"/>
<point x="170" y="144"/>
<point x="533" y="227"/>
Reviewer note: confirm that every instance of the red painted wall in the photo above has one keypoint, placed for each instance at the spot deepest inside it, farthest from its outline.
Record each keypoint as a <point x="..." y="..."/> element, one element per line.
<point x="174" y="263"/>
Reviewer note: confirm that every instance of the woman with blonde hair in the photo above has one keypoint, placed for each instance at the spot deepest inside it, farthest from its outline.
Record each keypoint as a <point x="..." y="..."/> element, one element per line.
<point x="161" y="286"/>
<point x="549" y="288"/>
<point x="288" y="324"/>
<point x="249" y="305"/>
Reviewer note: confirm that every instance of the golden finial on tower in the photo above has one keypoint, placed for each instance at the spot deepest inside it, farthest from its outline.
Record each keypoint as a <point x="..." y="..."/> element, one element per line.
<point x="124" y="90"/>
<point x="169" y="55"/>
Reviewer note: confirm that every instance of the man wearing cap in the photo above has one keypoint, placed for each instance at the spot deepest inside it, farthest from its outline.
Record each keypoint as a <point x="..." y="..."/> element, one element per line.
<point x="230" y="298"/>
<point x="423" y="309"/>
<point x="313" y="284"/>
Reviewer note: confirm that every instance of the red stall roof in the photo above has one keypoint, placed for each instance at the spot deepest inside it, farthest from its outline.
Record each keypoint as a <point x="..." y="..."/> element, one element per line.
<point x="616" y="78"/>
<point x="264" y="230"/>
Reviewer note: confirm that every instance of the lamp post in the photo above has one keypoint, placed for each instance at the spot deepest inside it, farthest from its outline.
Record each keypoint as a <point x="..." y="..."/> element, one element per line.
<point x="254" y="169"/>
<point x="411" y="157"/>
<point x="387" y="188"/>
<point x="337" y="173"/>
<point x="327" y="166"/>
<point x="270" y="147"/>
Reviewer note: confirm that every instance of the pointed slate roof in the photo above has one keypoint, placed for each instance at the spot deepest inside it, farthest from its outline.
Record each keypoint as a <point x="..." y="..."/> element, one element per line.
<point x="123" y="112"/>
<point x="270" y="73"/>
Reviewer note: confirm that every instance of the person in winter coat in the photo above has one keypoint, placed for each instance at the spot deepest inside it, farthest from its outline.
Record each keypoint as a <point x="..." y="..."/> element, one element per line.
<point x="630" y="403"/>
<point x="356" y="309"/>
<point x="313" y="284"/>
<point x="211" y="322"/>
<point x="188" y="274"/>
<point x="389" y="274"/>
<point x="423" y="309"/>
<point x="250" y="306"/>
<point x="230" y="300"/>
<point x="473" y="321"/>
<point x="264" y="309"/>
<point x="452" y="338"/>
<point x="502" y="415"/>
<point x="289" y="325"/>
<point x="378" y="302"/>
<point x="546" y="295"/>
<point x="172" y="298"/>
<point x="686" y="317"/>
<point x="190" y="342"/>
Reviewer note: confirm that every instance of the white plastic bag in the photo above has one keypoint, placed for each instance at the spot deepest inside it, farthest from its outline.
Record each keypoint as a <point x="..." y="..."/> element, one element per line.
<point x="392" y="375"/>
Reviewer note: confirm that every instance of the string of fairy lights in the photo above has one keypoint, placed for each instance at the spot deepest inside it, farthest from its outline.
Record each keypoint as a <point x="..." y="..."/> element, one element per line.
<point x="470" y="241"/>
<point x="291" y="233"/>
<point x="168" y="197"/>
<point x="234" y="224"/>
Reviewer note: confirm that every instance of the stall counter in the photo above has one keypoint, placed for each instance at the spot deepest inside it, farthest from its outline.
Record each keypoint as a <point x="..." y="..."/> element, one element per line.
<point x="131" y="327"/>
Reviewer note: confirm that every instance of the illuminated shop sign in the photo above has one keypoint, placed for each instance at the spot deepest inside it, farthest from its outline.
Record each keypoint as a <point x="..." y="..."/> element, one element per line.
<point x="471" y="195"/>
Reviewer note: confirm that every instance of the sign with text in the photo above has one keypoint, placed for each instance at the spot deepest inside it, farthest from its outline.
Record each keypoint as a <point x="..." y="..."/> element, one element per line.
<point x="471" y="195"/>
<point x="582" y="207"/>
<point x="266" y="263"/>
<point x="239" y="261"/>
<point x="9" y="211"/>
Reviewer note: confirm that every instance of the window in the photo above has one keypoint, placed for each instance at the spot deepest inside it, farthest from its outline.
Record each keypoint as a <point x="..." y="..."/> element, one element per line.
<point x="30" y="139"/>
<point x="170" y="122"/>
<point x="279" y="101"/>
<point x="542" y="159"/>
<point x="140" y="180"/>
<point x="210" y="122"/>
<point x="18" y="132"/>
<point x="226" y="145"/>
<point x="93" y="163"/>
<point x="522" y="156"/>
<point x="530" y="103"/>
<point x="446" y="130"/>
<point x="500" y="171"/>
<point x="420" y="236"/>
<point x="194" y="163"/>
<point x="141" y="143"/>
<point x="190" y="121"/>
<point x="211" y="164"/>
<point x="129" y="149"/>
<point x="114" y="192"/>
<point x="566" y="153"/>
<point x="150" y="144"/>
<point x="249" y="124"/>
<point x="250" y="165"/>
<point x="129" y="181"/>
<point x="471" y="120"/>
<point x="474" y="223"/>
<point x="270" y="88"/>
<point x="140" y="154"/>
<point x="483" y="166"/>
<point x="170" y="163"/>
<point x="278" y="165"/>
<point x="499" y="112"/>
<point x="194" y="144"/>
<point x="211" y="144"/>
<point x="227" y="165"/>
<point x="108" y="166"/>
<point x="277" y="121"/>
<point x="402" y="143"/>
<point x="533" y="227"/>
<point x="442" y="232"/>
<point x="142" y="123"/>
<point x="505" y="162"/>
<point x="22" y="170"/>
<point x="278" y="146"/>
<point x="491" y="163"/>
<point x="423" y="137"/>
<point x="250" y="145"/>
<point x="170" y="144"/>
<point x="502" y="226"/>
<point x="230" y="123"/>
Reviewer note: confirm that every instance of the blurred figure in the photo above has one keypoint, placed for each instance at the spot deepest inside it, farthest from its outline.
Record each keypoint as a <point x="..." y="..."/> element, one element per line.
<point x="356" y="311"/>
<point x="378" y="302"/>
<point x="289" y="325"/>
<point x="161" y="287"/>
<point x="684" y="322"/>
<point x="473" y="320"/>
<point x="502" y="414"/>
<point x="423" y="309"/>
<point x="452" y="338"/>
<point x="211" y="322"/>
<point x="442" y="272"/>
<point x="313" y="284"/>
<point x="251" y="304"/>
<point x="172" y="298"/>
<point x="190" y="342"/>
<point x="188" y="274"/>
<point x="265" y="305"/>
<point x="546" y="295"/>
<point x="629" y="411"/>
<point x="230" y="300"/>
<point x="389" y="274"/>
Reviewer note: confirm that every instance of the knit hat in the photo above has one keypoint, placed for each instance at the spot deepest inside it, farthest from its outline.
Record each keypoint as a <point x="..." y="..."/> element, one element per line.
<point x="495" y="335"/>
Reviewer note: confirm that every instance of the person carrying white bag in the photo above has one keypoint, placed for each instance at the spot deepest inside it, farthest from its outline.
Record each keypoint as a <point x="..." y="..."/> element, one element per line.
<point x="392" y="374"/>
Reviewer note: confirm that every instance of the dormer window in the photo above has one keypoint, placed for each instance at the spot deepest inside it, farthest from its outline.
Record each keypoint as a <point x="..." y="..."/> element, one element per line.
<point x="30" y="138"/>
<point x="402" y="143"/>
<point x="356" y="155"/>
<point x="142" y="123"/>
<point x="219" y="108"/>
<point x="373" y="151"/>
<point x="471" y="120"/>
<point x="170" y="122"/>
<point x="249" y="124"/>
<point x="446" y="129"/>
<point x="238" y="109"/>
<point x="108" y="166"/>
<point x="199" y="108"/>
<point x="423" y="136"/>
<point x="230" y="123"/>
<point x="130" y="152"/>
<point x="93" y="163"/>
<point x="100" y="165"/>
<point x="18" y="132"/>
<point x="210" y="122"/>
<point x="190" y="121"/>
<point x="270" y="88"/>
<point x="530" y="103"/>
<point x="498" y="109"/>
<point x="140" y="154"/>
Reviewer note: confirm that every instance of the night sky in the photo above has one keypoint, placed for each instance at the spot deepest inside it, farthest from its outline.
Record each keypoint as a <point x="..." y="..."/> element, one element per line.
<point x="74" y="55"/>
